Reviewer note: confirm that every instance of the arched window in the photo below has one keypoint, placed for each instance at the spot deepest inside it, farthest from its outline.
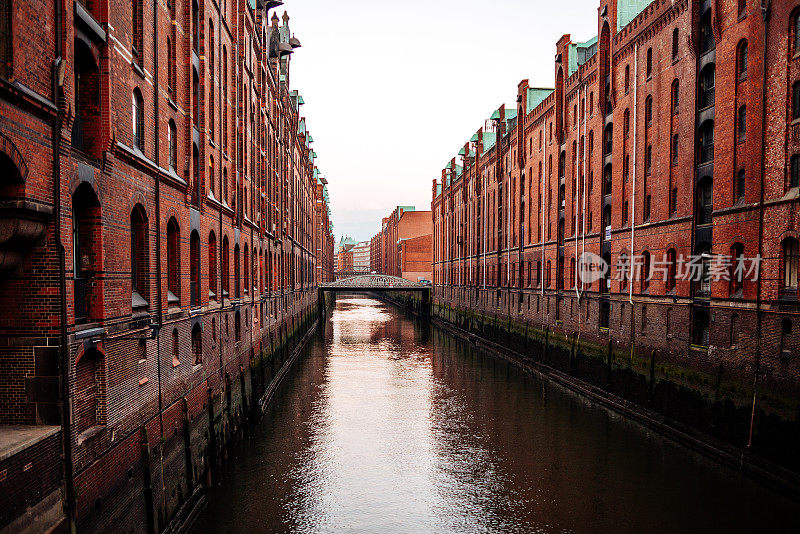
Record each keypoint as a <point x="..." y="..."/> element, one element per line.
<point x="649" y="68"/>
<point x="648" y="159"/>
<point x="138" y="119"/>
<point x="246" y="270"/>
<point x="212" y="266"/>
<point x="675" y="44"/>
<point x="237" y="324"/>
<point x="170" y="68"/>
<point x="195" y="99"/>
<point x="225" y="267"/>
<point x="211" y="182"/>
<point x="796" y="31"/>
<point x="608" y="139"/>
<point x="626" y="123"/>
<point x="700" y="328"/>
<point x="796" y="101"/>
<point x="705" y="205"/>
<point x="703" y="285"/>
<point x="236" y="272"/>
<point x="706" y="34"/>
<point x="197" y="344"/>
<point x="675" y="96"/>
<point x="791" y="258"/>
<point x="86" y="127"/>
<point x="707" y="142"/>
<point x="627" y="79"/>
<point x="623" y="268"/>
<point x="672" y="269"/>
<point x="195" y="27"/>
<point x="741" y="61"/>
<point x="607" y="179"/>
<point x="173" y="262"/>
<point x="741" y="124"/>
<point x="707" y="86"/>
<point x="87" y="252"/>
<point x="197" y="188"/>
<point x="172" y="145"/>
<point x="794" y="171"/>
<point x="645" y="271"/>
<point x="176" y="348"/>
<point x="194" y="268"/>
<point x="140" y="256"/>
<point x="737" y="269"/>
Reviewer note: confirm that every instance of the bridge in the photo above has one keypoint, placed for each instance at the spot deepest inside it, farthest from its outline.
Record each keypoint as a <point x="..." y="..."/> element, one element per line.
<point x="375" y="283"/>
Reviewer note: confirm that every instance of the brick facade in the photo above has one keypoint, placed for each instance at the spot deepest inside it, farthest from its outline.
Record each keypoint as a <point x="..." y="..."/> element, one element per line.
<point x="396" y="251"/>
<point x="672" y="133"/>
<point x="153" y="159"/>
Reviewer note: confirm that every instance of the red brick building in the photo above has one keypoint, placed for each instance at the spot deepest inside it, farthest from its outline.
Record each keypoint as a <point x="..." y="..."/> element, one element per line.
<point x="162" y="230"/>
<point x="397" y="250"/>
<point x="672" y="134"/>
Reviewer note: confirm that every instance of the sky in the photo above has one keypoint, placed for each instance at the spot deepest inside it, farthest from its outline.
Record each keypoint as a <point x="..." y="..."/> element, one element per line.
<point x="393" y="89"/>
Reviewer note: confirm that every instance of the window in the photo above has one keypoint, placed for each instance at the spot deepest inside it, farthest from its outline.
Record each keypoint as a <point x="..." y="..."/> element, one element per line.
<point x="706" y="34"/>
<point x="212" y="266"/>
<point x="90" y="394"/>
<point x="195" y="99"/>
<point x="237" y="323"/>
<point x="649" y="67"/>
<point x="627" y="78"/>
<point x="211" y="183"/>
<point x="741" y="124"/>
<point x="196" y="193"/>
<point x="707" y="84"/>
<point x="796" y="28"/>
<point x="138" y="119"/>
<point x="173" y="262"/>
<point x="645" y="271"/>
<point x="608" y="140"/>
<point x="734" y="333"/>
<point x="648" y="159"/>
<point x="700" y="328"/>
<point x="623" y="266"/>
<point x="87" y="252"/>
<point x="626" y="123"/>
<point x="86" y="126"/>
<point x="236" y="277"/>
<point x="171" y="142"/>
<point x="194" y="268"/>
<point x="796" y="101"/>
<point x="672" y="269"/>
<point x="741" y="63"/>
<point x="675" y="45"/>
<point x="740" y="182"/>
<point x="737" y="268"/>
<point x="704" y="201"/>
<point x="674" y="150"/>
<point x="794" y="171"/>
<point x="791" y="257"/>
<point x="197" y="343"/>
<point x="675" y="97"/>
<point x="707" y="142"/>
<point x="786" y="335"/>
<point x="195" y="27"/>
<point x="742" y="7"/>
<point x="225" y="267"/>
<point x="702" y="286"/>
<point x="170" y="69"/>
<point x="176" y="346"/>
<point x="140" y="255"/>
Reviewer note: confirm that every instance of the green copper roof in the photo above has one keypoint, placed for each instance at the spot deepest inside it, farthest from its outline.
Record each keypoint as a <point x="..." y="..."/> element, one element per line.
<point x="496" y="115"/>
<point x="536" y="96"/>
<point x="462" y="151"/>
<point x="310" y="138"/>
<point x="511" y="113"/>
<point x="449" y="165"/>
<point x="489" y="139"/>
<point x="438" y="189"/>
<point x="627" y="10"/>
<point x="474" y="138"/>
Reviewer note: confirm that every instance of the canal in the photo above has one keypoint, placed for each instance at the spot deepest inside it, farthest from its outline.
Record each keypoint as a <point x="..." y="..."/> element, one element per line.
<point x="389" y="425"/>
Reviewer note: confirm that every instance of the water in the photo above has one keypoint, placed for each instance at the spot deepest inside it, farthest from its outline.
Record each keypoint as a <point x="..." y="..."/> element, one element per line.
<point x="385" y="425"/>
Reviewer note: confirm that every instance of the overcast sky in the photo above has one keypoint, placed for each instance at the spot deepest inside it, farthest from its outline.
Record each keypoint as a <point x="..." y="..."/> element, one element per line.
<point x="394" y="89"/>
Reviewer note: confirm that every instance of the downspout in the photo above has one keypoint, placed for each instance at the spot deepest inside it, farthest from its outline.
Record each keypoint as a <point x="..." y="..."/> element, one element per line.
<point x="485" y="217"/>
<point x="577" y="204"/>
<point x="765" y="12"/>
<point x="64" y="360"/>
<point x="633" y="193"/>
<point x="541" y="209"/>
<point x="158" y="256"/>
<point x="586" y="163"/>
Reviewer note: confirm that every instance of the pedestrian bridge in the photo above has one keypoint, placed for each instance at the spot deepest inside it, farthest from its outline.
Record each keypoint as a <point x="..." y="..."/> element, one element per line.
<point x="373" y="282"/>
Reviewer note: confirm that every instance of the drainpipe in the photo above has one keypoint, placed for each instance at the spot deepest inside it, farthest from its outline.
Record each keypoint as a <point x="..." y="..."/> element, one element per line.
<point x="577" y="204"/>
<point x="633" y="194"/>
<point x="158" y="258"/>
<point x="64" y="360"/>
<point x="541" y="208"/>
<point x="765" y="12"/>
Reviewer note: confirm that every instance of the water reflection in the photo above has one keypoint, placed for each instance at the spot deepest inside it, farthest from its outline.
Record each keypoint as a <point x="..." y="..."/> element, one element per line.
<point x="390" y="426"/>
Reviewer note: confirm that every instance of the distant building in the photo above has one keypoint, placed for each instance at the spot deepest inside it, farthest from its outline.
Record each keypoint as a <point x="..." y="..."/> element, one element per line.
<point x="404" y="246"/>
<point x="361" y="257"/>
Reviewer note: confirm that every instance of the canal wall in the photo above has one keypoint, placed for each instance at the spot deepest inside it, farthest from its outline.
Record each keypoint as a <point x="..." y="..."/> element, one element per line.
<point x="154" y="478"/>
<point x="708" y="408"/>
